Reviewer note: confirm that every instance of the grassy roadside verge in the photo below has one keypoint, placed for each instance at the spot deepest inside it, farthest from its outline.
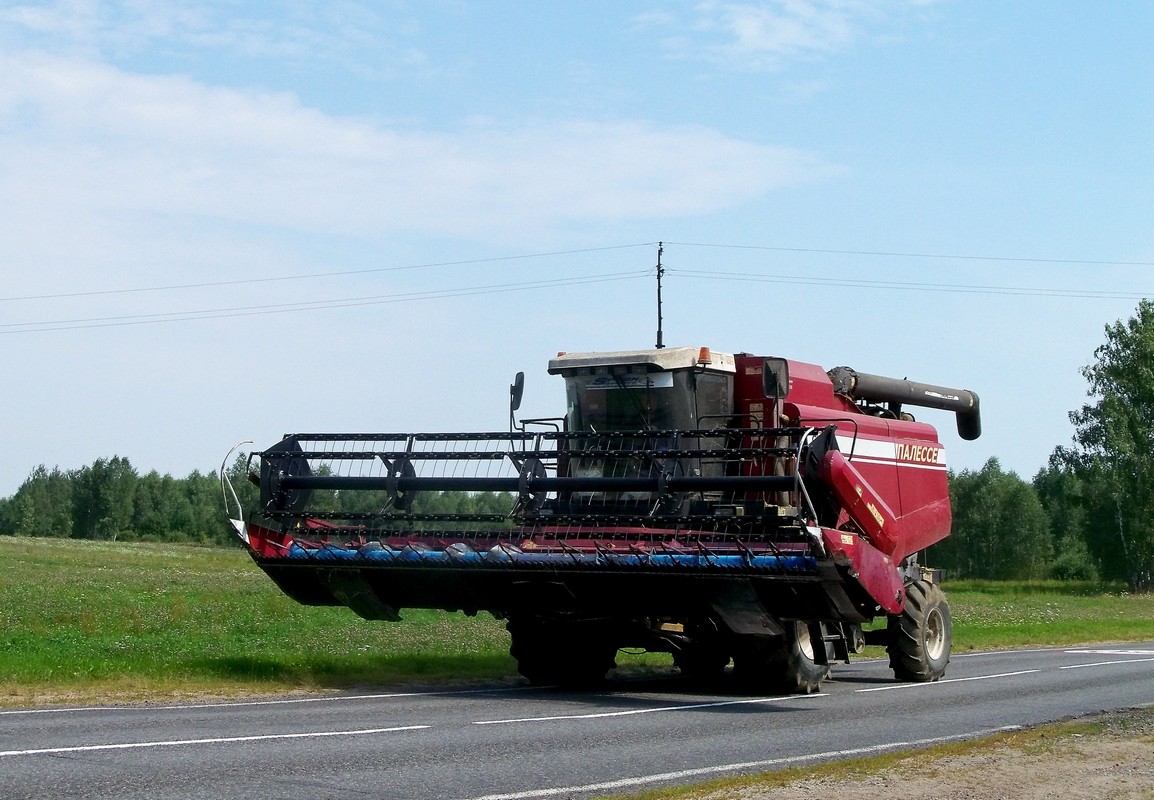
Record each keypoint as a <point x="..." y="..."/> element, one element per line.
<point x="84" y="620"/>
<point x="1100" y="755"/>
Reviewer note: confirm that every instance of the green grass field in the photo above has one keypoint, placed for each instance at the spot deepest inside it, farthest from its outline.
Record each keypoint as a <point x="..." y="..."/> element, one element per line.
<point x="81" y="620"/>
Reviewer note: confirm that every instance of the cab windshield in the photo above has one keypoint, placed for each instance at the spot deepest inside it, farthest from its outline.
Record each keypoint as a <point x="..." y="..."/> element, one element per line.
<point x="631" y="399"/>
<point x="650" y="408"/>
<point x="628" y="401"/>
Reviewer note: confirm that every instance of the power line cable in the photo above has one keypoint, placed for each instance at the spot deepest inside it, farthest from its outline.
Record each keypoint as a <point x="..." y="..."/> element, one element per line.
<point x="498" y="259"/>
<point x="313" y="305"/>
<point x="338" y="274"/>
<point x="175" y="316"/>
<point x="944" y="256"/>
<point x="944" y="288"/>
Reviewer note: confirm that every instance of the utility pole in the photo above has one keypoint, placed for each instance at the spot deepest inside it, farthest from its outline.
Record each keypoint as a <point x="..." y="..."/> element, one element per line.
<point x="660" y="272"/>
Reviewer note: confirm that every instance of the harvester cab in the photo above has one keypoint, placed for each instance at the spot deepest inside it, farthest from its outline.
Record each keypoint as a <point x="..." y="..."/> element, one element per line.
<point x="635" y="414"/>
<point x="724" y="508"/>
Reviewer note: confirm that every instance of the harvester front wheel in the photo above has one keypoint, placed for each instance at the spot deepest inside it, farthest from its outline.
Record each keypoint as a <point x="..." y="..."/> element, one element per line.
<point x="784" y="663"/>
<point x="795" y="664"/>
<point x="551" y="653"/>
<point x="921" y="637"/>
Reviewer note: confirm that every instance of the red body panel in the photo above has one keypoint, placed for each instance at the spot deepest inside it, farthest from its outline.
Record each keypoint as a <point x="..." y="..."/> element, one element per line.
<point x="874" y="570"/>
<point x="898" y="464"/>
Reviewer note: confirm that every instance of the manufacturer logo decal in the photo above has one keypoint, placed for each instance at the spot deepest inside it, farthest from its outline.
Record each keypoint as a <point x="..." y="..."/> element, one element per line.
<point x="919" y="453"/>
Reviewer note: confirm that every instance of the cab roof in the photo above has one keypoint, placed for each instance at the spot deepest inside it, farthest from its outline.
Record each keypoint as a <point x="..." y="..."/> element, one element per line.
<point x="662" y="359"/>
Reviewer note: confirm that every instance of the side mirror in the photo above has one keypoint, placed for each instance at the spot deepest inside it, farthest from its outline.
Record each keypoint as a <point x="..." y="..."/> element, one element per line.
<point x="775" y="377"/>
<point x="516" y="390"/>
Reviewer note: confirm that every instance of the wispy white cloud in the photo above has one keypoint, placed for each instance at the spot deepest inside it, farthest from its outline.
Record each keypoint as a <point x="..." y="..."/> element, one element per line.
<point x="83" y="134"/>
<point x="767" y="34"/>
<point x="356" y="37"/>
<point x="71" y="25"/>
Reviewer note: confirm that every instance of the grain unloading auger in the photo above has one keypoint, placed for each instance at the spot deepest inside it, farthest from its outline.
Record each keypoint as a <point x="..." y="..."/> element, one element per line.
<point x="717" y="507"/>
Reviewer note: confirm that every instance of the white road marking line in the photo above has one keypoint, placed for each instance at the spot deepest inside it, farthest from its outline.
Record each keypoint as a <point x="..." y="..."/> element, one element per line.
<point x="625" y="783"/>
<point x="654" y="710"/>
<point x="221" y="740"/>
<point x="948" y="680"/>
<point x="1108" y="663"/>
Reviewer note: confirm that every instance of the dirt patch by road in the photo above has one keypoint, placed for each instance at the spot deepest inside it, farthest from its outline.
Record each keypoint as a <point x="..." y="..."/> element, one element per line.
<point x="1109" y="755"/>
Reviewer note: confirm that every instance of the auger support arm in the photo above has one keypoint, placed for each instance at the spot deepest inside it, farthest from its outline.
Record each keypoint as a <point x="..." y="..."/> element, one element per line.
<point x="899" y="392"/>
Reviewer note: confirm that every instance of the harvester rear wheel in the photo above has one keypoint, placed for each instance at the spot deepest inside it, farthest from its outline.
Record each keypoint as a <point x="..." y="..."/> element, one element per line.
<point x="783" y="663"/>
<point x="920" y="638"/>
<point x="552" y="653"/>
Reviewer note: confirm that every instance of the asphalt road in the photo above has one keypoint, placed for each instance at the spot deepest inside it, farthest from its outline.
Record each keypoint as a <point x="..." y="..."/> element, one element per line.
<point x="532" y="743"/>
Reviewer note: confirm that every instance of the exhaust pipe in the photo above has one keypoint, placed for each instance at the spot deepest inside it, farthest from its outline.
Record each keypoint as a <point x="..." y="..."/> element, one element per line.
<point x="898" y="392"/>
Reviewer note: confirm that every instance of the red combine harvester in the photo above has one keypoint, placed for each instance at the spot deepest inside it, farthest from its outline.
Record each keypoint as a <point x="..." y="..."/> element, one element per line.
<point x="714" y="506"/>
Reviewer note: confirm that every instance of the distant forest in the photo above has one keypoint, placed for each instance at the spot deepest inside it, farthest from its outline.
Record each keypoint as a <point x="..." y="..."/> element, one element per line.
<point x="110" y="500"/>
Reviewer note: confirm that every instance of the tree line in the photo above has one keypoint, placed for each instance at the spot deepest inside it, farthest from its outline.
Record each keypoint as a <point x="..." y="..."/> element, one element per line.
<point x="110" y="500"/>
<point x="1053" y="527"/>
<point x="1088" y="514"/>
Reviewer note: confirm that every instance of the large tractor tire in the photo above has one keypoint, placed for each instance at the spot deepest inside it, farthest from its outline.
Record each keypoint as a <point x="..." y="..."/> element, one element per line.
<point x="785" y="664"/>
<point x="921" y="637"/>
<point x="554" y="653"/>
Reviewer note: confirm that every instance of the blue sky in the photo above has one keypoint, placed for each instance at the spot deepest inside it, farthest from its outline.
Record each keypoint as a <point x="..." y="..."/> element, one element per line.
<point x="229" y="221"/>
